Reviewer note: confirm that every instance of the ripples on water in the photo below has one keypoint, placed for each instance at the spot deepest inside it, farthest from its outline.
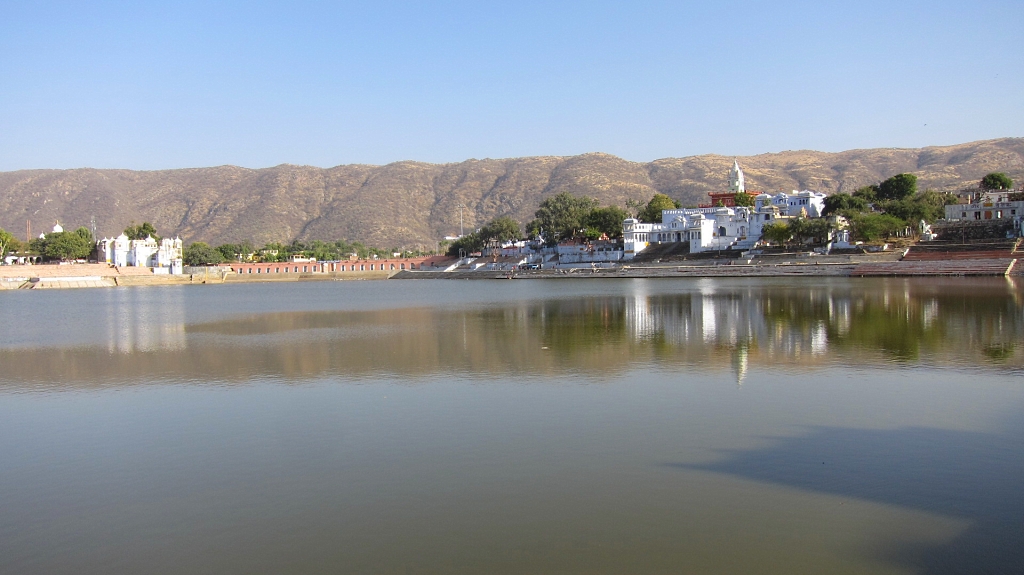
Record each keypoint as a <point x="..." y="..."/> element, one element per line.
<point x="780" y="426"/>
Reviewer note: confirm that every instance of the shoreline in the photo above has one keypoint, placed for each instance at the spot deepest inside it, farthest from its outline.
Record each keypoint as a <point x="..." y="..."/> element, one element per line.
<point x="101" y="275"/>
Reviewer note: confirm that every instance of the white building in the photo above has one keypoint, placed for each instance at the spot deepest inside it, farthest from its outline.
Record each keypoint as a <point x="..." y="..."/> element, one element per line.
<point x="985" y="211"/>
<point x="807" y="203"/>
<point x="165" y="257"/>
<point x="992" y="211"/>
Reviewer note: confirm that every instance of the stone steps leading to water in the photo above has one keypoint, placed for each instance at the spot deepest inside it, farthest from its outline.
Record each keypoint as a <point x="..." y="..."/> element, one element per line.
<point x="949" y="267"/>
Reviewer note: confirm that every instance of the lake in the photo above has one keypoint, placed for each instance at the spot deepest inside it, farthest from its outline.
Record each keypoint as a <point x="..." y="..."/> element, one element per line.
<point x="768" y="425"/>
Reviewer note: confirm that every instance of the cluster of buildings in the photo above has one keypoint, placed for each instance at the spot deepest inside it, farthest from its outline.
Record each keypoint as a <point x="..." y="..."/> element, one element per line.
<point x="723" y="226"/>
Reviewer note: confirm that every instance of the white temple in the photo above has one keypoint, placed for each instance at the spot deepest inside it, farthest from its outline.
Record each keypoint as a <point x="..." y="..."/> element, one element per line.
<point x="736" y="178"/>
<point x="165" y="257"/>
<point x="57" y="228"/>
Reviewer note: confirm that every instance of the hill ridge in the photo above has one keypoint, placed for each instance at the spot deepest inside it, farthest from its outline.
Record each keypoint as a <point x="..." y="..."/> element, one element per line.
<point x="412" y="204"/>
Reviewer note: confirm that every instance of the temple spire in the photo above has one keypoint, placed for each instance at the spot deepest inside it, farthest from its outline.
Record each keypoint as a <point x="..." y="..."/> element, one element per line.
<point x="736" y="178"/>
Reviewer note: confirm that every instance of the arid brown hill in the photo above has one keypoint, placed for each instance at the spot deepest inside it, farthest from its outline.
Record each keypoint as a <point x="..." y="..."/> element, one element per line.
<point x="413" y="204"/>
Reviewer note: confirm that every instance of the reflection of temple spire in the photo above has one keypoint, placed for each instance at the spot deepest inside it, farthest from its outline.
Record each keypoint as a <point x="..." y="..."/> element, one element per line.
<point x="739" y="362"/>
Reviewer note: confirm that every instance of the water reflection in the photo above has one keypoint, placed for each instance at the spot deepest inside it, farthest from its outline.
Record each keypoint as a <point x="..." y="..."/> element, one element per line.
<point x="967" y="324"/>
<point x="144" y="320"/>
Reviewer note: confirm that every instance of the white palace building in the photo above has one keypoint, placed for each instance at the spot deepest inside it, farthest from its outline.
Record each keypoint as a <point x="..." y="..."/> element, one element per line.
<point x="165" y="257"/>
<point x="721" y="228"/>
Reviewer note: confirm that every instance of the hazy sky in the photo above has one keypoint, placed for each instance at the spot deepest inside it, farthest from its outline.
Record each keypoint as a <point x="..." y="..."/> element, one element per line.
<point x="152" y="85"/>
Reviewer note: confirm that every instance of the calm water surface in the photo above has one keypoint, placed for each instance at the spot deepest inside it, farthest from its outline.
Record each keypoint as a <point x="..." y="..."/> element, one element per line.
<point x="563" y="426"/>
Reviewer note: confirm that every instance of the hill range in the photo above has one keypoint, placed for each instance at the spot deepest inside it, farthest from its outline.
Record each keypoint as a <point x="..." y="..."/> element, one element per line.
<point x="413" y="205"/>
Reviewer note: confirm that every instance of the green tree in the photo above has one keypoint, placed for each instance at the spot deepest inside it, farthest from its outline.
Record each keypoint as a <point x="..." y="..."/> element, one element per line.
<point x="240" y="252"/>
<point x="817" y="230"/>
<point x="898" y="187"/>
<point x="467" y="244"/>
<point x="141" y="231"/>
<point x="501" y="229"/>
<point x="86" y="235"/>
<point x="844" y="203"/>
<point x="870" y="227"/>
<point x="997" y="181"/>
<point x="652" y="212"/>
<point x="201" y="254"/>
<point x="66" y="245"/>
<point x="8" y="243"/>
<point x="800" y="229"/>
<point x="867" y="193"/>
<point x="562" y="216"/>
<point x="607" y="221"/>
<point x="777" y="233"/>
<point x="744" y="200"/>
<point x="927" y="205"/>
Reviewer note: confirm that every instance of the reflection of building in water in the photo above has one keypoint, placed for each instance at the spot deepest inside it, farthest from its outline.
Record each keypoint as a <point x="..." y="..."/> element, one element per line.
<point x="145" y="320"/>
<point x="733" y="319"/>
<point x="839" y="312"/>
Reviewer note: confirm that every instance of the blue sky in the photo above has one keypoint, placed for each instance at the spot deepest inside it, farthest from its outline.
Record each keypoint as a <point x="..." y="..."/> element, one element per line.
<point x="156" y="85"/>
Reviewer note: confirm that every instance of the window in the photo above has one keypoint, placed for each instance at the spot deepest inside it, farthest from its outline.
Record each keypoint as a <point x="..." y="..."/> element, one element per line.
<point x="392" y="266"/>
<point x="257" y="270"/>
<point x="277" y="270"/>
<point x="963" y="214"/>
<point x="403" y="266"/>
<point x="305" y="269"/>
<point x="977" y="215"/>
<point x="362" y="267"/>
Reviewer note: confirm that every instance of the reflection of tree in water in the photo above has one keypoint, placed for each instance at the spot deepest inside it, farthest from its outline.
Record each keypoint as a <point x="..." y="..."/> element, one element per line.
<point x="564" y="325"/>
<point x="906" y="319"/>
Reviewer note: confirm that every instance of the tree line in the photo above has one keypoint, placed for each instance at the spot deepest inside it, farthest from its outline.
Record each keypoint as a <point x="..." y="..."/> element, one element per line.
<point x="563" y="217"/>
<point x="201" y="253"/>
<point x="878" y="211"/>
